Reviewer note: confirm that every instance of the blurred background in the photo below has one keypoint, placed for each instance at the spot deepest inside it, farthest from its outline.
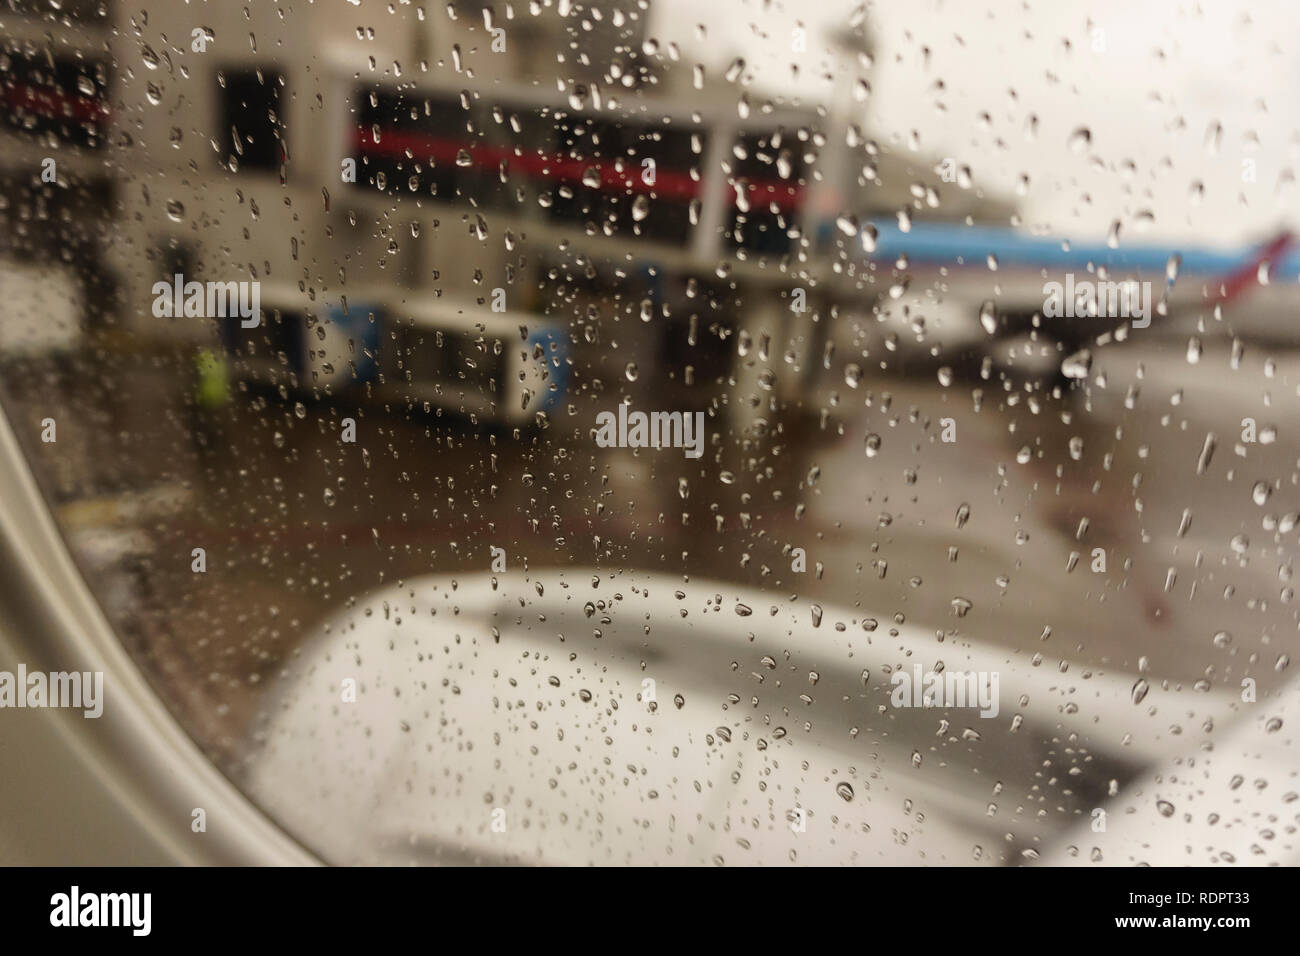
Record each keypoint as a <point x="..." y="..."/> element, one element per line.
<point x="477" y="225"/>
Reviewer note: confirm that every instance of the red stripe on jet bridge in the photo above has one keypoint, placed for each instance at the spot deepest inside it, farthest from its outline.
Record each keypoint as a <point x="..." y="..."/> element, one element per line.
<point x="669" y="184"/>
<point x="55" y="104"/>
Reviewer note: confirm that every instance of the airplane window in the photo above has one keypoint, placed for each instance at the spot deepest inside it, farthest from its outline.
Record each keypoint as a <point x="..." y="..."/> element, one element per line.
<point x="652" y="433"/>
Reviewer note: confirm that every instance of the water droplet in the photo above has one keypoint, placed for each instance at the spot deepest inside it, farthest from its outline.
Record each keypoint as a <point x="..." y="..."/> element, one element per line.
<point x="1077" y="365"/>
<point x="1140" y="690"/>
<point x="989" y="317"/>
<point x="1259" y="494"/>
<point x="1207" y="454"/>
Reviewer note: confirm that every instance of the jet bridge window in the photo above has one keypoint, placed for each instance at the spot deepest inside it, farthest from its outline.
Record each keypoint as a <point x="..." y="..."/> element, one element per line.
<point x="249" y="118"/>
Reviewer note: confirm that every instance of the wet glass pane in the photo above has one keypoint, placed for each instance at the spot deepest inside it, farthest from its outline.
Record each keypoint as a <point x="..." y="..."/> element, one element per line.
<point x="651" y="433"/>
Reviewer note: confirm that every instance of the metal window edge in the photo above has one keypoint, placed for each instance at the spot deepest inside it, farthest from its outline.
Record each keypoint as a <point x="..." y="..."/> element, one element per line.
<point x="149" y="771"/>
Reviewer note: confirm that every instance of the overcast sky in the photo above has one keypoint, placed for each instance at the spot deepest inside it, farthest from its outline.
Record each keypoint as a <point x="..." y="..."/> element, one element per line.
<point x="1163" y="77"/>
